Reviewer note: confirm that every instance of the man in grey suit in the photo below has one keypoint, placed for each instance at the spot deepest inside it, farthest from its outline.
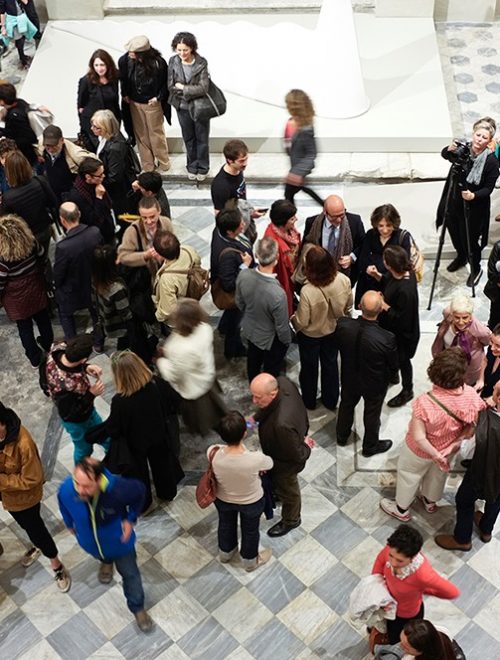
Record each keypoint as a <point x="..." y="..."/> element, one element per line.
<point x="263" y="302"/>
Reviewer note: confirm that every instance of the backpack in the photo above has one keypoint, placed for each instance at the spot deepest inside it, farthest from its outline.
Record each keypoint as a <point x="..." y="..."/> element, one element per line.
<point x="198" y="280"/>
<point x="39" y="120"/>
<point x="416" y="256"/>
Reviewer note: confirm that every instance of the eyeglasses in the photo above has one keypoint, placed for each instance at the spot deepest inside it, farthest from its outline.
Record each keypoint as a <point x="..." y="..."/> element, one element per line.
<point x="98" y="176"/>
<point x="95" y="126"/>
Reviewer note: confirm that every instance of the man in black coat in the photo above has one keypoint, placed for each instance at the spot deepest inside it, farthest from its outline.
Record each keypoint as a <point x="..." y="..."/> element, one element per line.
<point x="73" y="269"/>
<point x="283" y="426"/>
<point x="17" y="124"/>
<point x="339" y="232"/>
<point x="369" y="362"/>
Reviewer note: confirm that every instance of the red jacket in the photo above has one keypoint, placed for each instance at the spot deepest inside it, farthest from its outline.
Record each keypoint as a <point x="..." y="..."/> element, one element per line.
<point x="285" y="266"/>
<point x="408" y="592"/>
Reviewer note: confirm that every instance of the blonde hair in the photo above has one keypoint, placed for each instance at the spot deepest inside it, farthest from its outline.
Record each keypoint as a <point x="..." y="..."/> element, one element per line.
<point x="130" y="373"/>
<point x="461" y="304"/>
<point x="487" y="124"/>
<point x="107" y="122"/>
<point x="16" y="238"/>
<point x="300" y="107"/>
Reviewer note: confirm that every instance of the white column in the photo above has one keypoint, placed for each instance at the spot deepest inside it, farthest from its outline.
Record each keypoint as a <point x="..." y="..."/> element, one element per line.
<point x="77" y="9"/>
<point x="336" y="86"/>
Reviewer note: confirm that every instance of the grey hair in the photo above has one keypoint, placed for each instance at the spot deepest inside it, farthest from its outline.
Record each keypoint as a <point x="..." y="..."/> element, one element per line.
<point x="266" y="251"/>
<point x="462" y="304"/>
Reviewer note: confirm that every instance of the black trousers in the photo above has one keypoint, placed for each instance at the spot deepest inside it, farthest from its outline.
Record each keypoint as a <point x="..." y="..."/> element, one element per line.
<point x="313" y="352"/>
<point x="494" y="313"/>
<point x="349" y="398"/>
<point x="230" y="326"/>
<point x="405" y="354"/>
<point x="27" y="335"/>
<point x="456" y="228"/>
<point x="395" y="626"/>
<point x="465" y="500"/>
<point x="291" y="191"/>
<point x="31" y="521"/>
<point x="270" y="361"/>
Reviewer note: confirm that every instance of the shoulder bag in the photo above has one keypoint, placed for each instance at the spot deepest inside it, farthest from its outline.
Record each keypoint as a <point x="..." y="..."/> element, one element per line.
<point x="212" y="104"/>
<point x="198" y="281"/>
<point x="206" y="490"/>
<point x="416" y="256"/>
<point x="223" y="299"/>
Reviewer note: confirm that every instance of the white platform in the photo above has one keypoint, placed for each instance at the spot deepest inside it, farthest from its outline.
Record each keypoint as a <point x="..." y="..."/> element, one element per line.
<point x="399" y="57"/>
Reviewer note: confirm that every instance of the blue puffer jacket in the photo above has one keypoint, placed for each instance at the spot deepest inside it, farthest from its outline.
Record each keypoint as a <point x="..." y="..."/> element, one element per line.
<point x="98" y="522"/>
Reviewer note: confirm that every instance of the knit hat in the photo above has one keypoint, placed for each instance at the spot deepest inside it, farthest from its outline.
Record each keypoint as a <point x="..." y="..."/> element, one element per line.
<point x="79" y="348"/>
<point x="138" y="44"/>
<point x="51" y="136"/>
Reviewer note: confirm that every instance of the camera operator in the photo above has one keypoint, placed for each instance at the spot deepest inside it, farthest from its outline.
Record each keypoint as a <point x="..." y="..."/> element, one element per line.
<point x="472" y="178"/>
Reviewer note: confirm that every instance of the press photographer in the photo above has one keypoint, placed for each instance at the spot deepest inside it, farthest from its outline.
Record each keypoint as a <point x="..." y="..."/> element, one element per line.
<point x="465" y="202"/>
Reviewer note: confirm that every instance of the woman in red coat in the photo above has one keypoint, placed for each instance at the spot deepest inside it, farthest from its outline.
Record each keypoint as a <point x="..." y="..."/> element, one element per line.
<point x="282" y="229"/>
<point x="22" y="287"/>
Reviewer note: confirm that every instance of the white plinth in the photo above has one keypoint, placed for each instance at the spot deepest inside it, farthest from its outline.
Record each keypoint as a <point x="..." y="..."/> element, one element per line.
<point x="474" y="11"/>
<point x="399" y="59"/>
<point x="62" y="9"/>
<point x="405" y="8"/>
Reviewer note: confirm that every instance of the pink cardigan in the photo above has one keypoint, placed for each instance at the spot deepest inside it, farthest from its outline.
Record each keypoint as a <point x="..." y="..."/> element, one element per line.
<point x="480" y="337"/>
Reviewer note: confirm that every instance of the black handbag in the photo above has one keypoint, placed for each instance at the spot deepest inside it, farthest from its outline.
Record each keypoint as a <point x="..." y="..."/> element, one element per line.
<point x="212" y="104"/>
<point x="140" y="290"/>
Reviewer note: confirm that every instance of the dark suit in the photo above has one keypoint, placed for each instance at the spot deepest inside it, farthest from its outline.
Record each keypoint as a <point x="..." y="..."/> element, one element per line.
<point x="283" y="425"/>
<point x="357" y="233"/>
<point x="72" y="274"/>
<point x="369" y="359"/>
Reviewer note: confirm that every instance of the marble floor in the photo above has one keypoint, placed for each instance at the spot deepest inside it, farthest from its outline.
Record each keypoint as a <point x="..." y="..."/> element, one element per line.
<point x="294" y="607"/>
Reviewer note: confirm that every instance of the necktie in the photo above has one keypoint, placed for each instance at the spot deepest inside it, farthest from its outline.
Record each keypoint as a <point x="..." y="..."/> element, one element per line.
<point x="331" y="241"/>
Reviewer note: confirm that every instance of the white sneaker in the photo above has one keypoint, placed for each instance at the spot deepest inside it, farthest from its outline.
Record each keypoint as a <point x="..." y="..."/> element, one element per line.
<point x="201" y="177"/>
<point x="30" y="557"/>
<point x="191" y="176"/>
<point x="391" y="508"/>
<point x="63" y="579"/>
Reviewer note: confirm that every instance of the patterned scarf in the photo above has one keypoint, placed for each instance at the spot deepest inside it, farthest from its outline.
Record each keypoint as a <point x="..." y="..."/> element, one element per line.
<point x="476" y="172"/>
<point x="462" y="340"/>
<point x="292" y="239"/>
<point x="344" y="244"/>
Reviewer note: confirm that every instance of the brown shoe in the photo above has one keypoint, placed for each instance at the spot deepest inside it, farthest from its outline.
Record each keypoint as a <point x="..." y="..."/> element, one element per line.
<point x="448" y="542"/>
<point x="485" y="538"/>
<point x="144" y="621"/>
<point x="497" y="218"/>
<point x="105" y="574"/>
<point x="262" y="558"/>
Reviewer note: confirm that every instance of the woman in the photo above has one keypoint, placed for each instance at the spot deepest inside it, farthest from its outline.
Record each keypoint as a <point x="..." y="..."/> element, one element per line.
<point x="386" y="231"/>
<point x="282" y="229"/>
<point x="400" y="314"/>
<point x="116" y="155"/>
<point x="188" y="365"/>
<point x="408" y="576"/>
<point x="441" y="419"/>
<point x="97" y="90"/>
<point x="143" y="419"/>
<point x="325" y="297"/>
<point x="480" y="168"/>
<point x="30" y="197"/>
<point x="16" y="24"/>
<point x="420" y="639"/>
<point x="300" y="144"/>
<point x="490" y="373"/>
<point x="188" y="79"/>
<point x="6" y="146"/>
<point x="239" y="491"/>
<point x="461" y="328"/>
<point x="492" y="286"/>
<point x="112" y="297"/>
<point x="23" y="292"/>
<point x="143" y="79"/>
<point x="21" y="491"/>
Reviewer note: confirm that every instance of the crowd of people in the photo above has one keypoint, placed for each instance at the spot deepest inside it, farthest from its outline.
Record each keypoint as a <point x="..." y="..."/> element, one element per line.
<point x="117" y="257"/>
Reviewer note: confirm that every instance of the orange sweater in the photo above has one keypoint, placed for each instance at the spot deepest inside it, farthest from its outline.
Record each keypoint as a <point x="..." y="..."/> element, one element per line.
<point x="408" y="592"/>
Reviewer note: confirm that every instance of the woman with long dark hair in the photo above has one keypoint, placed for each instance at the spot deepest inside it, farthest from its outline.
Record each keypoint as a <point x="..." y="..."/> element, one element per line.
<point x="420" y="639"/>
<point x="97" y="90"/>
<point x="143" y="79"/>
<point x="188" y="79"/>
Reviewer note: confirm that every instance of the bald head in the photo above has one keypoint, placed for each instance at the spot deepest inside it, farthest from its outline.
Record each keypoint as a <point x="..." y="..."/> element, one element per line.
<point x="334" y="209"/>
<point x="264" y="389"/>
<point x="69" y="213"/>
<point x="371" y="305"/>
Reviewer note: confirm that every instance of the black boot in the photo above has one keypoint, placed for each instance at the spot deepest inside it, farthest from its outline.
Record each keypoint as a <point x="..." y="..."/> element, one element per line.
<point x="399" y="400"/>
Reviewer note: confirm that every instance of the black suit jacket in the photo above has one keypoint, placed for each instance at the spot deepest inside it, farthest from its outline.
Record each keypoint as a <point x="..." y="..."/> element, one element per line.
<point x="369" y="356"/>
<point x="72" y="268"/>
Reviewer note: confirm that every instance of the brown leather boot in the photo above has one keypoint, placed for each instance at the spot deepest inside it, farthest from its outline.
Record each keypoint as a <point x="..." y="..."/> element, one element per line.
<point x="448" y="542"/>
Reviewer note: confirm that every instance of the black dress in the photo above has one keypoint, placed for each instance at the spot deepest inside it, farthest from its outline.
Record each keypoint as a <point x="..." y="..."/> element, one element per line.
<point x="491" y="377"/>
<point x="91" y="98"/>
<point x="402" y="319"/>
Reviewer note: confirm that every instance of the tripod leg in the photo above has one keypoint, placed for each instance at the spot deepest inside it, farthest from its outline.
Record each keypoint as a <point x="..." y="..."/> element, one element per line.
<point x="469" y="246"/>
<point x="437" y="261"/>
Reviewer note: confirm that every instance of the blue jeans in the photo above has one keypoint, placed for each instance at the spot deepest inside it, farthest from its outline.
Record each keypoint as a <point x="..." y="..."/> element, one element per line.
<point x="228" y="527"/>
<point x="132" y="582"/>
<point x="27" y="335"/>
<point x="195" y="136"/>
<point x="77" y="432"/>
<point x="465" y="500"/>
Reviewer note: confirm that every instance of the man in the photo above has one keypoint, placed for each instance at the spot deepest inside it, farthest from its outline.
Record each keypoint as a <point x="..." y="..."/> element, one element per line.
<point x="283" y="425"/>
<point x="17" y="124"/>
<point x="263" y="302"/>
<point x="101" y="509"/>
<point x="61" y="160"/>
<point x="339" y="232"/>
<point x="89" y="194"/>
<point x="369" y="361"/>
<point x="65" y="378"/>
<point x="481" y="482"/>
<point x="73" y="271"/>
<point x="171" y="281"/>
<point x="149" y="184"/>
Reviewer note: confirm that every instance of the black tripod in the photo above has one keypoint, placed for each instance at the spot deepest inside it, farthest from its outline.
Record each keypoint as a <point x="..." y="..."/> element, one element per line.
<point x="457" y="179"/>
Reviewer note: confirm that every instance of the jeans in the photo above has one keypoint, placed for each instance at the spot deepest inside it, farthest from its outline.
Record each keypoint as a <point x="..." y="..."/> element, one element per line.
<point x="270" y="361"/>
<point x="27" y="336"/>
<point x="77" y="432"/>
<point x="465" y="499"/>
<point x="67" y="320"/>
<point x="195" y="136"/>
<point x="227" y="532"/>
<point x="32" y="523"/>
<point x="131" y="581"/>
<point x="314" y="351"/>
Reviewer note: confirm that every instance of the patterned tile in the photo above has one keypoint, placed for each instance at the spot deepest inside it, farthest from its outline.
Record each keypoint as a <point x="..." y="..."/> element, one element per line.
<point x="307" y="616"/>
<point x="208" y="639"/>
<point x="308" y="560"/>
<point x="339" y="534"/>
<point x="242" y="614"/>
<point x="77" y="638"/>
<point x="274" y="642"/>
<point x="134" y="645"/>
<point x="178" y="613"/>
<point x="475" y="591"/>
<point x="475" y="640"/>
<point x="335" y="587"/>
<point x="276" y="587"/>
<point x="17" y="634"/>
<point x="183" y="558"/>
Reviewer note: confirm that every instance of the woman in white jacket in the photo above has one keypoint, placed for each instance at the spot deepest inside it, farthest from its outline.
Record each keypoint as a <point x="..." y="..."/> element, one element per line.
<point x="188" y="365"/>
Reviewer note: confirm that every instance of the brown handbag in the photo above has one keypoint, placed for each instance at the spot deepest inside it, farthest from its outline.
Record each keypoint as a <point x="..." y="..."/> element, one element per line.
<point x="206" y="490"/>
<point x="223" y="299"/>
